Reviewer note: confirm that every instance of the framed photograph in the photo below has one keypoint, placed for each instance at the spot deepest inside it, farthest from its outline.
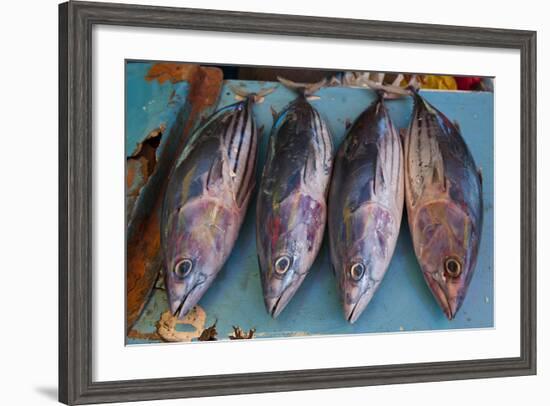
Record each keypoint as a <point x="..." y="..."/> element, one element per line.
<point x="259" y="202"/>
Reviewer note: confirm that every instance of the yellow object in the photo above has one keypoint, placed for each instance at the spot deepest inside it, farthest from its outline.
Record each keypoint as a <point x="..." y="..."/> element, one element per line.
<point x="438" y="82"/>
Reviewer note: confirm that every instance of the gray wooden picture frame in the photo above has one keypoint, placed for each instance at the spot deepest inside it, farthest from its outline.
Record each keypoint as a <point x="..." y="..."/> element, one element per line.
<point x="76" y="20"/>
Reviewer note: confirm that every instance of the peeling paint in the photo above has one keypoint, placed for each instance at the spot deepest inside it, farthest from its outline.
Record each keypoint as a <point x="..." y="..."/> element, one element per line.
<point x="174" y="72"/>
<point x="140" y="166"/>
<point x="166" y="326"/>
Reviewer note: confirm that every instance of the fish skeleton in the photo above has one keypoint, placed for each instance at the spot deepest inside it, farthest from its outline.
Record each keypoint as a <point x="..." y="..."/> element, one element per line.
<point x="365" y="206"/>
<point x="291" y="207"/>
<point x="444" y="204"/>
<point x="206" y="199"/>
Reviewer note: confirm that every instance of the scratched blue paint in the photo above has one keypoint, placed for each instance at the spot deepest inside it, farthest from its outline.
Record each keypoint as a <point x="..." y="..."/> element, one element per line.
<point x="403" y="302"/>
<point x="149" y="104"/>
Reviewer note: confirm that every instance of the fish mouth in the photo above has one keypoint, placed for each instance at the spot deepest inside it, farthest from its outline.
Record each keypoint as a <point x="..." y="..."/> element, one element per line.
<point x="352" y="316"/>
<point x="449" y="307"/>
<point x="277" y="304"/>
<point x="185" y="306"/>
<point x="353" y="311"/>
<point x="276" y="309"/>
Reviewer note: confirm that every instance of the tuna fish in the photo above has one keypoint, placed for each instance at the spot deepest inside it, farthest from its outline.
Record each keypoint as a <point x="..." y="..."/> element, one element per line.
<point x="444" y="204"/>
<point x="291" y="209"/>
<point x="365" y="206"/>
<point x="206" y="199"/>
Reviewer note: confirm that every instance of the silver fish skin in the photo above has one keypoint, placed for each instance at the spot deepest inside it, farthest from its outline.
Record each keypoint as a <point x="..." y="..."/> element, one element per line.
<point x="205" y="202"/>
<point x="365" y="207"/>
<point x="443" y="192"/>
<point x="291" y="207"/>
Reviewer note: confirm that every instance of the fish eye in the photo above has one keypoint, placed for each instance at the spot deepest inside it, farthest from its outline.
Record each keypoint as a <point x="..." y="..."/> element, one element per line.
<point x="453" y="267"/>
<point x="282" y="264"/>
<point x="183" y="267"/>
<point x="357" y="271"/>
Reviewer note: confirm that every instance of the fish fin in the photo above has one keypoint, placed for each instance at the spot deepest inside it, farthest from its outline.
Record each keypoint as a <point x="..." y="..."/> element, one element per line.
<point x="220" y="168"/>
<point x="307" y="168"/>
<point x="372" y="186"/>
<point x="398" y="79"/>
<point x="480" y="175"/>
<point x="446" y="184"/>
<point x="262" y="93"/>
<point x="246" y="189"/>
<point x="305" y="89"/>
<point x="240" y="92"/>
<point x="379" y="179"/>
<point x="437" y="177"/>
<point x="387" y="91"/>
<point x="244" y="196"/>
<point x="256" y="97"/>
<point x="310" y="167"/>
<point x="215" y="172"/>
<point x="289" y="187"/>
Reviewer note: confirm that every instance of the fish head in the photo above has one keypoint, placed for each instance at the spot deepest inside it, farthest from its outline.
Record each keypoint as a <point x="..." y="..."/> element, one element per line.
<point x="194" y="253"/>
<point x="446" y="244"/>
<point x="287" y="249"/>
<point x="371" y="232"/>
<point x="280" y="279"/>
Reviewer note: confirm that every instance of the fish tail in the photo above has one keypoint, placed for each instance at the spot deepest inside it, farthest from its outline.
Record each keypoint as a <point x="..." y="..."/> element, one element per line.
<point x="381" y="95"/>
<point x="304" y="89"/>
<point x="388" y="91"/>
<point x="413" y="89"/>
<point x="254" y="97"/>
<point x="419" y="101"/>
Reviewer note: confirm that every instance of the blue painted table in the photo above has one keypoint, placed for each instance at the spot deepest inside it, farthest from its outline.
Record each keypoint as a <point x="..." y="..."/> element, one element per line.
<point x="403" y="302"/>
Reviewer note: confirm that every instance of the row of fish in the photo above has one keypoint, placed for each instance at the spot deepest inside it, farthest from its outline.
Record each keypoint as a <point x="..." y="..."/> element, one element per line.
<point x="359" y="192"/>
